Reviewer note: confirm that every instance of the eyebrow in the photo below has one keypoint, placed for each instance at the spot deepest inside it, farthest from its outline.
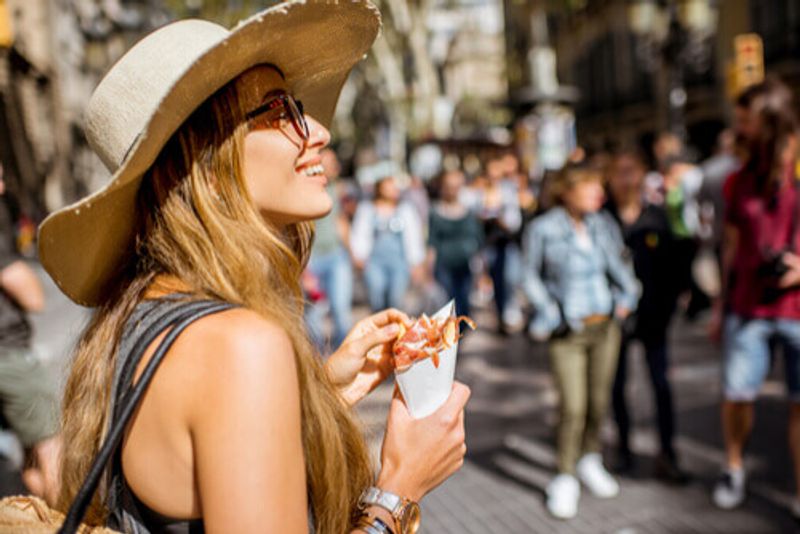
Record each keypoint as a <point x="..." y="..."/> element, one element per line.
<point x="273" y="93"/>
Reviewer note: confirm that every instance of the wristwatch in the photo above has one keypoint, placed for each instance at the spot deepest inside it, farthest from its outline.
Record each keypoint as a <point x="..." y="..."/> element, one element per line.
<point x="405" y="512"/>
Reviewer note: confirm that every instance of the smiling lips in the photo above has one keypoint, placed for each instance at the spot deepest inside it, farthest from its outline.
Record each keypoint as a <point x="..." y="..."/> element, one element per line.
<point x="313" y="170"/>
<point x="312" y="167"/>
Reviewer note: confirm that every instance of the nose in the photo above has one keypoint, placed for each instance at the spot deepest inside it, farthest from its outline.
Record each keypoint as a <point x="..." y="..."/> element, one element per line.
<point x="318" y="136"/>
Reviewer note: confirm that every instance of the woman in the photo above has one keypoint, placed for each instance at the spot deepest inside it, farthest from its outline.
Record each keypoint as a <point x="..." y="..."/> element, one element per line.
<point x="758" y="311"/>
<point x="499" y="211"/>
<point x="646" y="231"/>
<point x="579" y="287"/>
<point x="242" y="428"/>
<point x="455" y="236"/>
<point x="386" y="242"/>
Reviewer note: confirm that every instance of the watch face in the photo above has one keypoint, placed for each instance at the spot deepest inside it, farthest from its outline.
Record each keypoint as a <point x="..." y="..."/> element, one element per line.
<point x="409" y="521"/>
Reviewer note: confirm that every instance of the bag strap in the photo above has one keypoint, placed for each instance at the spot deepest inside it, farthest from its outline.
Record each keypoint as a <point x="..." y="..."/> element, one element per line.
<point x="144" y="340"/>
<point x="196" y="310"/>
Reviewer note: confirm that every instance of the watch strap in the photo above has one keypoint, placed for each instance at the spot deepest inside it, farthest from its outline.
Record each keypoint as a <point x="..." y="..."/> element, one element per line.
<point x="387" y="500"/>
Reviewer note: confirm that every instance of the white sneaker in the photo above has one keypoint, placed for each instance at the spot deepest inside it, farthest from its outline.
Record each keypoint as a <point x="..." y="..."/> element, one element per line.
<point x="729" y="491"/>
<point x="595" y="477"/>
<point x="563" y="493"/>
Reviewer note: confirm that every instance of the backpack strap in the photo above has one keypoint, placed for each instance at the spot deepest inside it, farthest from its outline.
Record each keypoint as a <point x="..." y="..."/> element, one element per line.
<point x="191" y="312"/>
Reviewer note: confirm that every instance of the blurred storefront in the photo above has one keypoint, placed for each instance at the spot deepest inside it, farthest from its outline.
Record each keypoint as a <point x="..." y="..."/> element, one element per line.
<point x="644" y="66"/>
<point x="52" y="53"/>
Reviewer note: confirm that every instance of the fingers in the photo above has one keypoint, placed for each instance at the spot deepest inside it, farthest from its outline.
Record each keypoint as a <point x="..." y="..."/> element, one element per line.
<point x="457" y="400"/>
<point x="389" y="316"/>
<point x="377" y="337"/>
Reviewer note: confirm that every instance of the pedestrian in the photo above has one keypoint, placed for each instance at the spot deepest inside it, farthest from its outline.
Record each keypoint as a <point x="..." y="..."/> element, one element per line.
<point x="716" y="171"/>
<point x="579" y="287"/>
<point x="454" y="239"/>
<point x="760" y="302"/>
<point x="498" y="209"/>
<point x="648" y="237"/>
<point x="330" y="262"/>
<point x="682" y="182"/>
<point x="388" y="245"/>
<point x="28" y="392"/>
<point x="242" y="429"/>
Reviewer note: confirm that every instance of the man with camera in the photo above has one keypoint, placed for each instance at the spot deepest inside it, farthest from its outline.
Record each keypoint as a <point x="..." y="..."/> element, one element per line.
<point x="760" y="303"/>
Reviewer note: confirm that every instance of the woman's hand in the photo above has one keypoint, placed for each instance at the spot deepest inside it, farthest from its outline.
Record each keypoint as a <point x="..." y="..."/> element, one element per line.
<point x="365" y="358"/>
<point x="419" y="454"/>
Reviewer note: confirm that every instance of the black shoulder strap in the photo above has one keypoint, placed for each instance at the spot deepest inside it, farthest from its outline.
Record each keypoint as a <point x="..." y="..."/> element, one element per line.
<point x="192" y="312"/>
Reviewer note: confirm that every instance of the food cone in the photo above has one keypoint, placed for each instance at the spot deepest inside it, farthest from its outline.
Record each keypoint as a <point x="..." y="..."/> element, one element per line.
<point x="424" y="386"/>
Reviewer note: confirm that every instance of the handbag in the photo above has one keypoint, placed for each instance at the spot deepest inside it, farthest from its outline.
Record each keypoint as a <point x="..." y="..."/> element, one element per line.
<point x="31" y="515"/>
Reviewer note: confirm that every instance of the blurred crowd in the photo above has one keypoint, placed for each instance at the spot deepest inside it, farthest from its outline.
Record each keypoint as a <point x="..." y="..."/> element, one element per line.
<point x="588" y="260"/>
<point x="591" y="259"/>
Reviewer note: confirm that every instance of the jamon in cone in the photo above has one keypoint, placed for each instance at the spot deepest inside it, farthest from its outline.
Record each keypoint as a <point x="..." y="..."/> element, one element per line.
<point x="426" y="339"/>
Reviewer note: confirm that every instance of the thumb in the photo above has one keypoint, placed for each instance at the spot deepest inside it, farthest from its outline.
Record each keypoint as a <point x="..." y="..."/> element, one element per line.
<point x="377" y="337"/>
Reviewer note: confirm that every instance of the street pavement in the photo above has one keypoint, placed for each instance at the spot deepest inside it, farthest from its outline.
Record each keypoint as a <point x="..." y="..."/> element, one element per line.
<point x="510" y="440"/>
<point x="511" y="449"/>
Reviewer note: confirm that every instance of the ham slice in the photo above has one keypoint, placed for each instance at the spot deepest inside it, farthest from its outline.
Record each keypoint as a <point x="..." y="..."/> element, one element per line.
<point x="426" y="338"/>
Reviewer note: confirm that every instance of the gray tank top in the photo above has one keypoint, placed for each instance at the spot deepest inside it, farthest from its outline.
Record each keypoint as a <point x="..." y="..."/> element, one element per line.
<point x="128" y="513"/>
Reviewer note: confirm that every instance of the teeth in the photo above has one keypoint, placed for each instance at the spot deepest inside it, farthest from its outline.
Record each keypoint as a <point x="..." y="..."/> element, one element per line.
<point x="313" y="170"/>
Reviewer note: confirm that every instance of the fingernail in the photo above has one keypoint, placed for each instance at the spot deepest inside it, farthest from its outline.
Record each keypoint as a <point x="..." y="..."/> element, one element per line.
<point x="391" y="329"/>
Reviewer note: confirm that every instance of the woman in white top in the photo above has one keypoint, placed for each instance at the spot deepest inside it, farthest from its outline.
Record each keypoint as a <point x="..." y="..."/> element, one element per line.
<point x="387" y="244"/>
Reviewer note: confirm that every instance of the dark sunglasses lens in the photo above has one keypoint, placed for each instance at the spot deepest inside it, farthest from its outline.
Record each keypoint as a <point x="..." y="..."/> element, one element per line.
<point x="298" y="118"/>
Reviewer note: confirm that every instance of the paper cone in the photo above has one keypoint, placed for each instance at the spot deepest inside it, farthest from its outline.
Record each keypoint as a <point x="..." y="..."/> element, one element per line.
<point x="426" y="387"/>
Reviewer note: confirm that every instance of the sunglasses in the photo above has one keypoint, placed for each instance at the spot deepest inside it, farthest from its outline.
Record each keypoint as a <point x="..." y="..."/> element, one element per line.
<point x="279" y="109"/>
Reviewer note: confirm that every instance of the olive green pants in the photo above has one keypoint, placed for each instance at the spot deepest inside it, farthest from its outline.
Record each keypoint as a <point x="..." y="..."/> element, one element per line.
<point x="583" y="365"/>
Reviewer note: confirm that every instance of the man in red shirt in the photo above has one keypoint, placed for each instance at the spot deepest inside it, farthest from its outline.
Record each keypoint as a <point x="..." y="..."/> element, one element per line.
<point x="761" y="275"/>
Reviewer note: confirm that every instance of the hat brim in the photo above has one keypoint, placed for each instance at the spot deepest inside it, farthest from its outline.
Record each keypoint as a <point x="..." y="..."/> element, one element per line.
<point x="315" y="45"/>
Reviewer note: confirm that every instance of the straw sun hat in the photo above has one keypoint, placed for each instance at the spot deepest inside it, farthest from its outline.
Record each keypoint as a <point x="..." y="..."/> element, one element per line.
<point x="153" y="89"/>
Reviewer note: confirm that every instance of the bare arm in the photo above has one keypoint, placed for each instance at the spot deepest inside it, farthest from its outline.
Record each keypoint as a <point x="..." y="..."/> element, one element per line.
<point x="20" y="282"/>
<point x="246" y="431"/>
<point x="730" y="242"/>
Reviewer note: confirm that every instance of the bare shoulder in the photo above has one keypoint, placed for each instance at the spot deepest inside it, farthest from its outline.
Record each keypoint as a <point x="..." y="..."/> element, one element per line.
<point x="243" y="333"/>
<point x="235" y="351"/>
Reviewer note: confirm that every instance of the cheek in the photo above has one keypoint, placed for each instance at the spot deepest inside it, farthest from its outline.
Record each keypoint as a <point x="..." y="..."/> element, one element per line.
<point x="276" y="190"/>
<point x="268" y="167"/>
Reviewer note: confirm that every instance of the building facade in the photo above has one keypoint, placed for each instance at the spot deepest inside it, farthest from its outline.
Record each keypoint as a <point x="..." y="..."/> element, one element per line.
<point x="624" y="81"/>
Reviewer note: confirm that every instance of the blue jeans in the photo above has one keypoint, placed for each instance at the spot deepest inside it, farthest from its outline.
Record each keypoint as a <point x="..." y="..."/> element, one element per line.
<point x="746" y="355"/>
<point x="456" y="281"/>
<point x="497" y="255"/>
<point x="335" y="274"/>
<point x="387" y="281"/>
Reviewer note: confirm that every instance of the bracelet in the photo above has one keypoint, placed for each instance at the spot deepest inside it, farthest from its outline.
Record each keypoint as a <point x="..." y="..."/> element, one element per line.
<point x="372" y="524"/>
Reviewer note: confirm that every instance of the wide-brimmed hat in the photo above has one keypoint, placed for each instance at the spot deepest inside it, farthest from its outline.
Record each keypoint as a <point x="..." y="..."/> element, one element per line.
<point x="156" y="86"/>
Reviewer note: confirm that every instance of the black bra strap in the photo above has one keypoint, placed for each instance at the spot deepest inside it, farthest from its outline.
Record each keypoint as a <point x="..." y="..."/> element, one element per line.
<point x="84" y="496"/>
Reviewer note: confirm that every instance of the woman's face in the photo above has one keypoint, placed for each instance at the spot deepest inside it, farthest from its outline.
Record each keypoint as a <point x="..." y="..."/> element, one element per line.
<point x="388" y="190"/>
<point x="626" y="177"/>
<point x="747" y="125"/>
<point x="452" y="182"/>
<point x="585" y="197"/>
<point x="283" y="172"/>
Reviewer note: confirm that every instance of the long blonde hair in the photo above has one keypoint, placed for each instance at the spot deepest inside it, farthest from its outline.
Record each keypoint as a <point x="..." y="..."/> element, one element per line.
<point x="198" y="223"/>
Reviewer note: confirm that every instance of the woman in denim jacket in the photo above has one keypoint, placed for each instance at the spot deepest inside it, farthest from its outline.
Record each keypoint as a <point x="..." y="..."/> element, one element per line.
<point x="579" y="285"/>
